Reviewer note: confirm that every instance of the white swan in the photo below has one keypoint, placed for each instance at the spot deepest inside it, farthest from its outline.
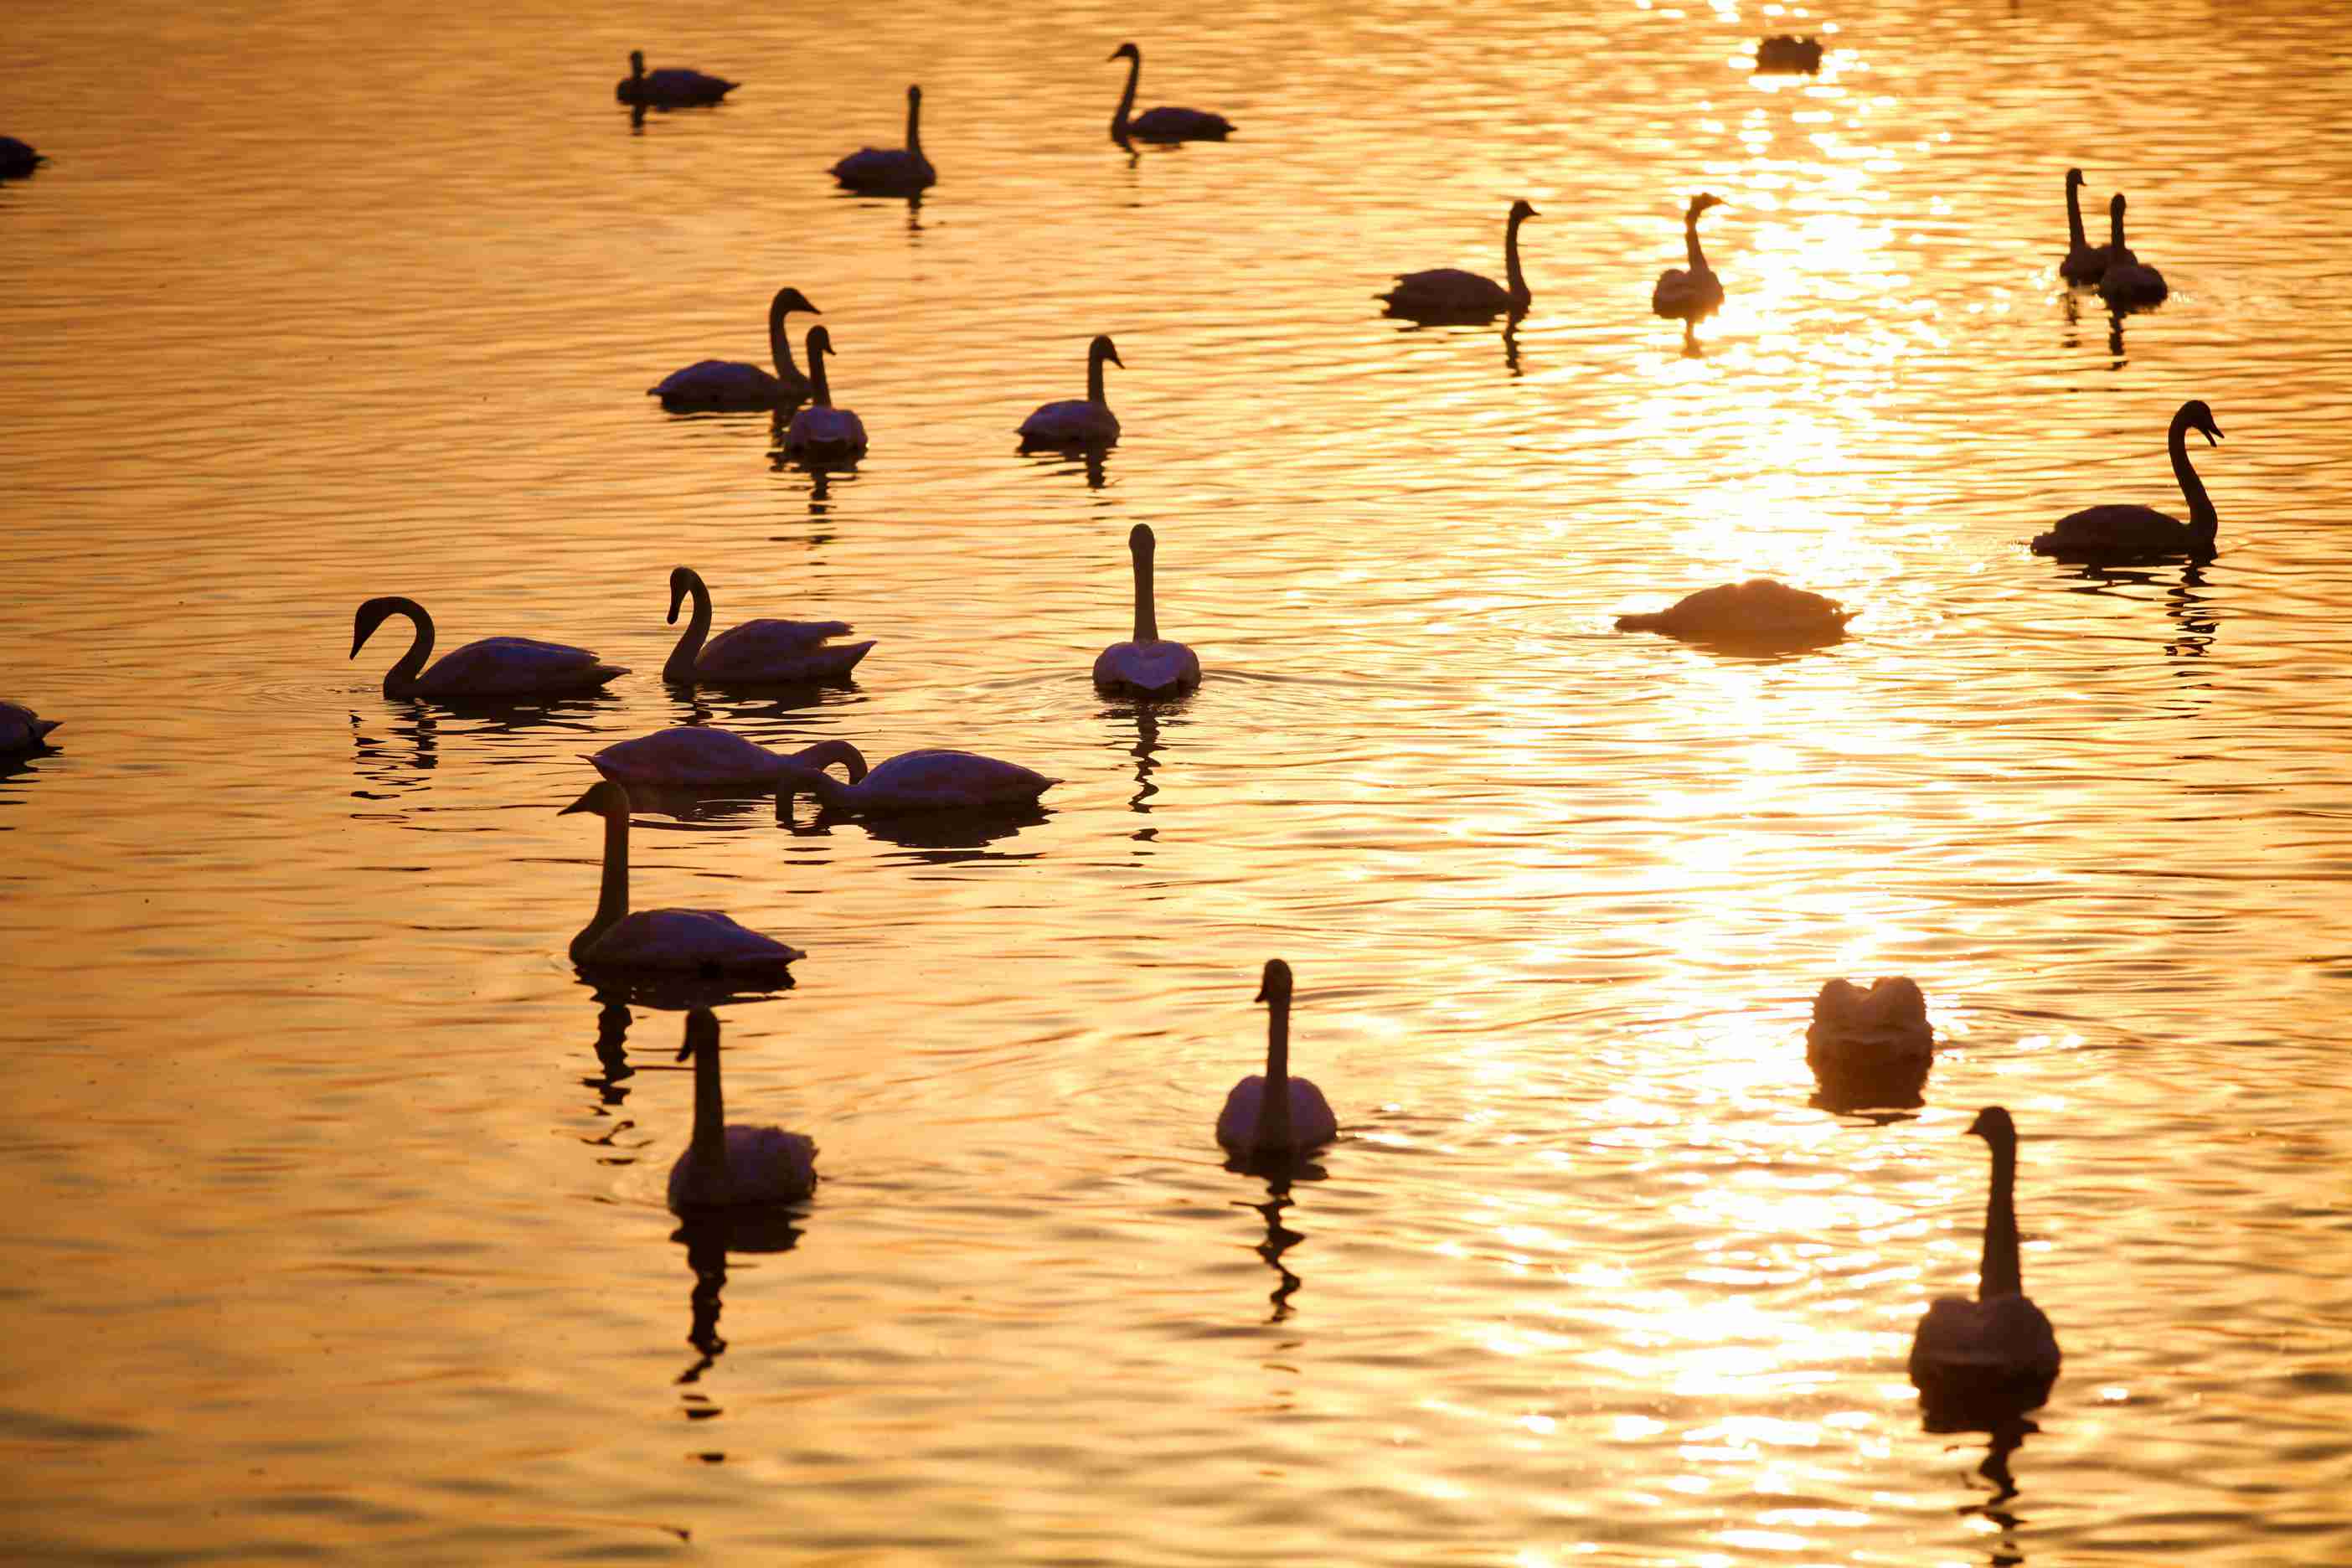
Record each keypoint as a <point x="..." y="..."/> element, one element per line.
<point x="819" y="430"/>
<point x="1788" y="54"/>
<point x="1086" y="422"/>
<point x="674" y="87"/>
<point x="2082" y="265"/>
<point x="764" y="652"/>
<point x="892" y="171"/>
<point x="731" y="384"/>
<point x="702" y="943"/>
<point x="1161" y="125"/>
<point x="696" y="756"/>
<point x="2140" y="532"/>
<point x="2129" y="282"/>
<point x="1449" y="294"/>
<point x="1276" y="1114"/>
<point x="22" y="730"/>
<point x="17" y="159"/>
<point x="1758" y="610"/>
<point x="1148" y="664"/>
<point x="1882" y="1029"/>
<point x="1998" y="1351"/>
<point x="1689" y="296"/>
<point x="495" y="669"/>
<point x="733" y="1167"/>
<point x="915" y="781"/>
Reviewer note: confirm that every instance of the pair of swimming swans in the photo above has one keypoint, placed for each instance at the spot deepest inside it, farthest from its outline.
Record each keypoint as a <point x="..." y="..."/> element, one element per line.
<point x="892" y="171"/>
<point x="1449" y="295"/>
<point x="494" y="669"/>
<point x="675" y="87"/>
<point x="2123" y="280"/>
<point x="2113" y="533"/>
<point x="1163" y="126"/>
<point x="696" y="757"/>
<point x="734" y="384"/>
<point x="23" y="730"/>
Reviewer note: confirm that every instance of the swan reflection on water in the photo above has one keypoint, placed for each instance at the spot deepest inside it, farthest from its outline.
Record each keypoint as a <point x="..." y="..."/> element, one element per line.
<point x="709" y="1237"/>
<point x="1279" y="1238"/>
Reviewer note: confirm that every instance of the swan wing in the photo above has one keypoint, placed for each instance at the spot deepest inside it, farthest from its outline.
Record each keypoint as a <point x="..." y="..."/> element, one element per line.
<point x="2108" y="531"/>
<point x="514" y="667"/>
<point x="764" y="1166"/>
<point x="1686" y="296"/>
<point x="885" y="169"/>
<point x="1151" y="668"/>
<point x="21" y="729"/>
<point x="1447" y="291"/>
<point x="2006" y="1337"/>
<point x="1075" y="423"/>
<point x="674" y="87"/>
<point x="751" y="650"/>
<point x="1179" y="125"/>
<point x="689" y="757"/>
<point x="718" y="382"/>
<point x="2132" y="283"/>
<point x="948" y="780"/>
<point x="1311" y="1121"/>
<point x="695" y="941"/>
<point x="826" y="431"/>
<point x="2084" y="266"/>
<point x="1757" y="608"/>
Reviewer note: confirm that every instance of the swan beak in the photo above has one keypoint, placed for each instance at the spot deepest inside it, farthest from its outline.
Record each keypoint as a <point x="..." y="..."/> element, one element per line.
<point x="2213" y="435"/>
<point x="1261" y="992"/>
<point x="580" y="805"/>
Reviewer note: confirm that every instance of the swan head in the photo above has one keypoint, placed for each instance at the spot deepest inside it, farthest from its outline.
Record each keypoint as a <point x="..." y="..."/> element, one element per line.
<point x="1520" y="210"/>
<point x="1141" y="542"/>
<point x="2074" y="178"/>
<point x="1128" y="52"/>
<point x="371" y="615"/>
<point x="2195" y="416"/>
<point x="1993" y="1124"/>
<point x="1276" y="987"/>
<point x="603" y="797"/>
<point x="1703" y="201"/>
<point x="790" y="299"/>
<point x="637" y="62"/>
<point x="914" y="97"/>
<point x="820" y="341"/>
<point x="701" y="1034"/>
<point x="2116" y="205"/>
<point x="1102" y="348"/>
<point x="683" y="581"/>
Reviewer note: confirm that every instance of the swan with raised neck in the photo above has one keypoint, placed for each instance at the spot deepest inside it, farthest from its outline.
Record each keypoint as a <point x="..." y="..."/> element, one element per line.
<point x="761" y="652"/>
<point x="493" y="669"/>
<point x="1997" y="1352"/>
<point x="915" y="781"/>
<point x="2128" y="283"/>
<point x="1276" y="1114"/>
<point x="892" y="171"/>
<point x="1161" y="125"/>
<point x="819" y="430"/>
<point x="1453" y="295"/>
<point x="2082" y="265"/>
<point x="2140" y="532"/>
<point x="702" y="943"/>
<point x="732" y="1167"/>
<point x="1078" y="422"/>
<point x="1147" y="664"/>
<point x="736" y="384"/>
<point x="1689" y="295"/>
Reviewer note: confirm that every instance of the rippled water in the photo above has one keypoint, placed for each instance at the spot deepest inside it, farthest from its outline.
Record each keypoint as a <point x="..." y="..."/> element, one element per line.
<point x="337" y="1219"/>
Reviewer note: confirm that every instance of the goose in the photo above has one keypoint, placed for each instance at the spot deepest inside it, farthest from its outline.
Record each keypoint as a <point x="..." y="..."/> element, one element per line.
<point x="1857" y="1031"/>
<point x="1689" y="296"/>
<point x="1996" y="1350"/>
<point x="1758" y="610"/>
<point x="702" y="943"/>
<point x="764" y="652"/>
<point x="2129" y="282"/>
<point x="2140" y="533"/>
<point x="890" y="171"/>
<point x="2081" y="266"/>
<point x="1276" y="1114"/>
<point x="1147" y="664"/>
<point x="495" y="669"/>
<point x="673" y="88"/>
<point x="738" y="1166"/>
<point x="1788" y="54"/>
<point x="1449" y="294"/>
<point x="1078" y="422"/>
<point x="1161" y="125"/>
<point x="695" y="756"/>
<point x="914" y="782"/>
<point x="820" y="430"/>
<point x="22" y="730"/>
<point x="731" y="384"/>
<point x="17" y="160"/>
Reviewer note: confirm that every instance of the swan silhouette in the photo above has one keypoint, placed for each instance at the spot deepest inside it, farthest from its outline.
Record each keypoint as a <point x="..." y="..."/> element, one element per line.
<point x="495" y="669"/>
<point x="674" y="87"/>
<point x="1788" y="54"/>
<point x="1997" y="1352"/>
<point x="1449" y="295"/>
<point x="821" y="432"/>
<point x="2128" y="283"/>
<point x="1161" y="125"/>
<point x="2081" y="266"/>
<point x="892" y="171"/>
<point x="1870" y="1047"/>
<point x="731" y="384"/>
<point x="697" y="757"/>
<point x="22" y="730"/>
<point x="1078" y="422"/>
<point x="914" y="782"/>
<point x="1689" y="295"/>
<point x="1147" y="665"/>
<point x="17" y="159"/>
<point x="2112" y="534"/>
<point x="738" y="1166"/>
<point x="1276" y="1114"/>
<point x="1757" y="611"/>
<point x="755" y="653"/>
<point x="702" y="943"/>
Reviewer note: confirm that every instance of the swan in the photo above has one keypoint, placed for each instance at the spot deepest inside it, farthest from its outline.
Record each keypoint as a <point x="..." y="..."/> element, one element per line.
<point x="2081" y="266"/>
<point x="17" y="159"/>
<point x="1163" y="125"/>
<point x="22" y="730"/>
<point x="756" y="652"/>
<point x="495" y="669"/>
<point x="1758" y="610"/>
<point x="673" y="88"/>
<point x="2128" y="532"/>
<point x="914" y="782"/>
<point x="1276" y="1114"/>
<point x="1788" y="53"/>
<point x="890" y="171"/>
<point x="1689" y="296"/>
<point x="1086" y="422"/>
<point x="703" y="942"/>
<point x="1996" y="1350"/>
<point x="1856" y="1031"/>
<point x="733" y="1167"/>
<point x="695" y="756"/>
<point x="2128" y="281"/>
<point x="730" y="383"/>
<point x="820" y="430"/>
<point x="1147" y="664"/>
<point x="1448" y="294"/>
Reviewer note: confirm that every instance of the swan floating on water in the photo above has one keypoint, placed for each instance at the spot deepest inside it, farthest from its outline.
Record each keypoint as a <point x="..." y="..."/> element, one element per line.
<point x="819" y="431"/>
<point x="1787" y="53"/>
<point x="2128" y="283"/>
<point x="1689" y="295"/>
<point x="914" y="782"/>
<point x="697" y="757"/>
<point x="2081" y="266"/>
<point x="1077" y="423"/>
<point x="17" y="159"/>
<point x="495" y="669"/>
<point x="1758" y="610"/>
<point x="702" y="943"/>
<point x="2142" y="533"/>
<point x="1161" y="125"/>
<point x="892" y="171"/>
<point x="674" y="87"/>
<point x="1450" y="295"/>
<point x="731" y="384"/>
<point x="22" y="730"/>
<point x="1996" y="1354"/>
<point x="1147" y="664"/>
<point x="1275" y="1114"/>
<point x="738" y="1166"/>
<point x="1864" y="1039"/>
<point x="755" y="653"/>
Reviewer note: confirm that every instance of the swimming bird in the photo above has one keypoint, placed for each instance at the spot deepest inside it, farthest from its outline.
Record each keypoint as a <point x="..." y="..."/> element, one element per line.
<point x="1450" y="295"/>
<point x="2128" y="283"/>
<point x="1077" y="423"/>
<point x="819" y="431"/>
<point x="1997" y="1352"/>
<point x="17" y="159"/>
<point x="731" y="384"/>
<point x="755" y="653"/>
<point x="1758" y="610"/>
<point x="696" y="756"/>
<point x="915" y="781"/>
<point x="1788" y="53"/>
<point x="495" y="669"/>
<point x="1276" y="1114"/>
<point x="1689" y="296"/>
<point x="738" y="1166"/>
<point x="1145" y="665"/>
<point x="1856" y="1031"/>
<point x="702" y="943"/>
<point x="1161" y="125"/>
<point x="892" y="171"/>
<point x="2142" y="533"/>
<point x="22" y="730"/>
<point x="2081" y="266"/>
<point x="674" y="87"/>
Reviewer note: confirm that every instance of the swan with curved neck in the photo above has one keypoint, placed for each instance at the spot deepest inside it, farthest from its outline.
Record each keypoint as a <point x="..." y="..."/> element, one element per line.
<point x="1161" y="125"/>
<point x="22" y="730"/>
<point x="1999" y="1349"/>
<point x="733" y="1167"/>
<point x="2128" y="283"/>
<point x="2141" y="533"/>
<point x="17" y="159"/>
<point x="495" y="669"/>
<point x="915" y="781"/>
<point x="702" y="943"/>
<point x="755" y="653"/>
<point x="1451" y="295"/>
<point x="732" y="384"/>
<point x="1078" y="422"/>
<point x="1689" y="295"/>
<point x="674" y="87"/>
<point x="819" y="431"/>
<point x="1759" y="611"/>
<point x="1276" y="1114"/>
<point x="1147" y="665"/>
<point x="892" y="171"/>
<point x="2082" y="265"/>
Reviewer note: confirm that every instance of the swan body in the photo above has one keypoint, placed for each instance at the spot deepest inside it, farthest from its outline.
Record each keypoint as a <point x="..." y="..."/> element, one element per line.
<point x="1788" y="54"/>
<point x="1998" y="1351"/>
<point x="2082" y="265"/>
<point x="1275" y="1113"/>
<point x="1692" y="295"/>
<point x="495" y="669"/>
<point x="702" y="943"/>
<point x="695" y="756"/>
<point x="1449" y="294"/>
<point x="819" y="431"/>
<point x="1078" y="422"/>
<point x="769" y="652"/>
<point x="1855" y="1030"/>
<point x="1148" y="664"/>
<point x="1758" y="610"/>
<point x="672" y="87"/>
<point x="2142" y="533"/>
<point x="17" y="159"/>
<point x="1161" y="125"/>
<point x="22" y="730"/>
<point x="738" y="1166"/>
<point x="892" y="171"/>
<point x="2128" y="283"/>
<point x="915" y="781"/>
<point x="731" y="384"/>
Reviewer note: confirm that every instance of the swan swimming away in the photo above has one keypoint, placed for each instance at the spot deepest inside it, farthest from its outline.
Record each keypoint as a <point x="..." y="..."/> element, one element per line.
<point x="2128" y="283"/>
<point x="1758" y="610"/>
<point x="1147" y="664"/>
<point x="1689" y="295"/>
<point x="22" y="730"/>
<point x="1275" y="1113"/>
<point x="915" y="781"/>
<point x="2142" y="533"/>
<point x="1161" y="125"/>
<point x="697" y="757"/>
<point x="2081" y="266"/>
<point x="819" y="430"/>
<point x="702" y="943"/>
<point x="1086" y="422"/>
<point x="764" y="652"/>
<point x="1998" y="1351"/>
<point x="674" y="87"/>
<point x="731" y="384"/>
<point x="738" y="1166"/>
<point x="1788" y="54"/>
<point x="495" y="669"/>
<point x="892" y="171"/>
<point x="1450" y="295"/>
<point x="17" y="159"/>
<point x="1857" y="1031"/>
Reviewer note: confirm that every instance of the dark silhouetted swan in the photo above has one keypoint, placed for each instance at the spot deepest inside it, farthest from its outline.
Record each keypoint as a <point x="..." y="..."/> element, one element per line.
<point x="1449" y="294"/>
<point x="1161" y="125"/>
<point x="1997" y="1352"/>
<point x="495" y="669"/>
<point x="819" y="430"/>
<point x="17" y="159"/>
<point x="2082" y="265"/>
<point x="1276" y="1114"/>
<point x="22" y="730"/>
<point x="915" y="781"/>
<point x="892" y="171"/>
<point x="755" y="653"/>
<point x="1788" y="54"/>
<point x="702" y="943"/>
<point x="2128" y="283"/>
<point x="1086" y="422"/>
<point x="1856" y="1031"/>
<point x="697" y="757"/>
<point x="731" y="384"/>
<point x="733" y="1167"/>
<point x="1689" y="296"/>
<point x="2140" y="533"/>
<point x="1147" y="665"/>
<point x="672" y="87"/>
<point x="1758" y="610"/>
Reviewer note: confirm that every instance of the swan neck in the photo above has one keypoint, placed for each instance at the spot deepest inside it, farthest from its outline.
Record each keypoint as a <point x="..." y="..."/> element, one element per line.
<point x="780" y="344"/>
<point x="1518" y="282"/>
<point x="1127" y="98"/>
<point x="2075" y="241"/>
<point x="914" y="131"/>
<point x="400" y="680"/>
<point x="689" y="642"/>
<point x="710" y="1114"/>
<point x="1690" y="242"/>
<point x="1998" y="1274"/>
<point x="820" y="393"/>
<point x="1274" y="1107"/>
<point x="798" y="777"/>
<point x="2201" y="515"/>
<point x="613" y="895"/>
<point x="1147" y="612"/>
<point x="1095" y="380"/>
<point x="2115" y="228"/>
